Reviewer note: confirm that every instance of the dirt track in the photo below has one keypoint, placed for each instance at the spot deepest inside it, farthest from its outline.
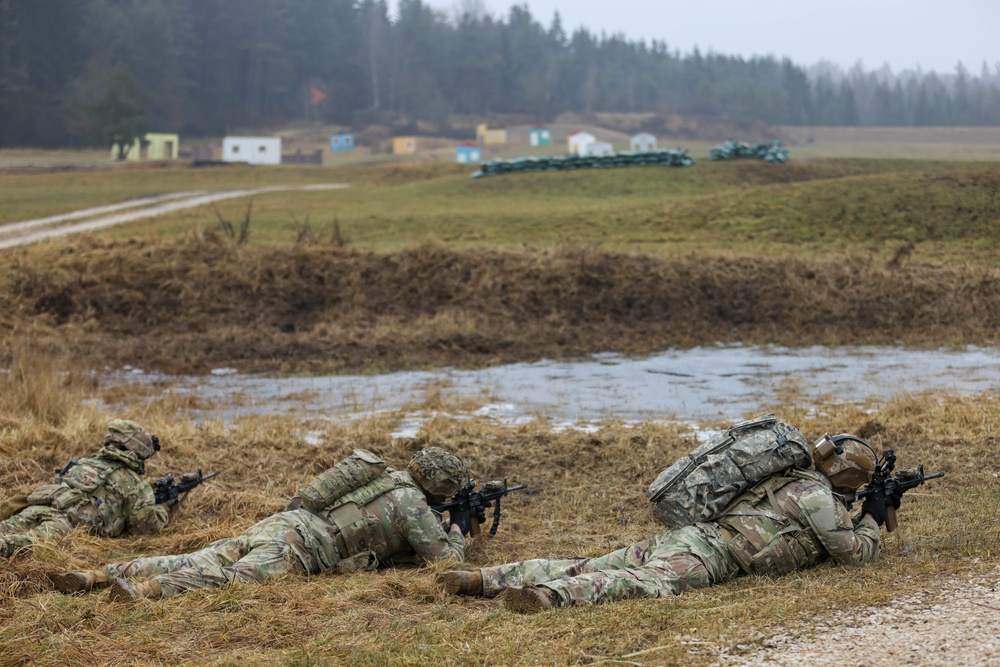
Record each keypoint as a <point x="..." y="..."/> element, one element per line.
<point x="29" y="231"/>
<point x="955" y="624"/>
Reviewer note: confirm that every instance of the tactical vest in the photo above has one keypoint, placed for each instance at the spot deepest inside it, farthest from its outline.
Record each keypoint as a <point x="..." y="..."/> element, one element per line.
<point x="765" y="541"/>
<point x="84" y="495"/>
<point x="701" y="485"/>
<point x="355" y="533"/>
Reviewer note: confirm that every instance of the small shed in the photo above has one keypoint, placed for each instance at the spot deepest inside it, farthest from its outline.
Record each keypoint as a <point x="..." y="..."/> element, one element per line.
<point x="468" y="153"/>
<point x="341" y="142"/>
<point x="253" y="150"/>
<point x="484" y="135"/>
<point x="578" y="141"/>
<point x="152" y="146"/>
<point x="644" y="142"/>
<point x="597" y="149"/>
<point x="404" y="145"/>
<point x="540" y="136"/>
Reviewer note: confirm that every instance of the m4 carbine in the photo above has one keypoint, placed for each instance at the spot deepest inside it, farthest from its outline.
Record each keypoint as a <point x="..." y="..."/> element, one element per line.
<point x="468" y="507"/>
<point x="893" y="486"/>
<point x="168" y="492"/>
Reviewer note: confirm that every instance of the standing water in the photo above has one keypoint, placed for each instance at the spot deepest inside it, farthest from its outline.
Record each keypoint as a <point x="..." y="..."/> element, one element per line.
<point x="724" y="382"/>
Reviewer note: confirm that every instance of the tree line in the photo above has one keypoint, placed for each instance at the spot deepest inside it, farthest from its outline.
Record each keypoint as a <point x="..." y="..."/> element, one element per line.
<point x="78" y="71"/>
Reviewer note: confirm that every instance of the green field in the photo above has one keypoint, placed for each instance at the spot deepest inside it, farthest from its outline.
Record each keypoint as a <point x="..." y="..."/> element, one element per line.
<point x="948" y="211"/>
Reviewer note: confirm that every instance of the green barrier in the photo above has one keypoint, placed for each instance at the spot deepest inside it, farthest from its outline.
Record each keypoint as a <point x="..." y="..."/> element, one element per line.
<point x="768" y="152"/>
<point x="664" y="158"/>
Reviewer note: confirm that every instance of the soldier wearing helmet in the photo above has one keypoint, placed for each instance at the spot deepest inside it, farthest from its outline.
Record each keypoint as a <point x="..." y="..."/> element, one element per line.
<point x="357" y="515"/>
<point x="788" y="522"/>
<point x="103" y="493"/>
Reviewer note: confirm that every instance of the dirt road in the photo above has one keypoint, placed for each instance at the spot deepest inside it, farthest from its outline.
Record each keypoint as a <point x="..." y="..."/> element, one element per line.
<point x="957" y="623"/>
<point x="29" y="231"/>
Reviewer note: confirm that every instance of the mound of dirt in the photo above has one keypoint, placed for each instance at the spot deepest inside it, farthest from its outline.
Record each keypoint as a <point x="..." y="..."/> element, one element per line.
<point x="195" y="304"/>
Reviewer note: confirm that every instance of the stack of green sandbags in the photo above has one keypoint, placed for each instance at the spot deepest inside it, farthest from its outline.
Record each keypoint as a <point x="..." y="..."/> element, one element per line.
<point x="732" y="150"/>
<point x="664" y="158"/>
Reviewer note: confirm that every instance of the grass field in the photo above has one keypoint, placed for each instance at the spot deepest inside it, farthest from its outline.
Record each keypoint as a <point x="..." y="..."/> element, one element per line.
<point x="947" y="211"/>
<point x="416" y="265"/>
<point x="585" y="497"/>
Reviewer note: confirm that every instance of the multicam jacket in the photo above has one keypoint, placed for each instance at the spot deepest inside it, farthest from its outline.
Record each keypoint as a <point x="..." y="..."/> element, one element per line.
<point x="390" y="517"/>
<point x="793" y="522"/>
<point x="105" y="494"/>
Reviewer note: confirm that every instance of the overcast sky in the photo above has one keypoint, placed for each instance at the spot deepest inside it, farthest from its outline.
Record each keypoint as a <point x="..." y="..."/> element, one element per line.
<point x="906" y="34"/>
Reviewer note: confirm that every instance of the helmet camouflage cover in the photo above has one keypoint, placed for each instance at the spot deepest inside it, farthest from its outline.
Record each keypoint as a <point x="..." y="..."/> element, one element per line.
<point x="125" y="434"/>
<point x="439" y="473"/>
<point x="852" y="468"/>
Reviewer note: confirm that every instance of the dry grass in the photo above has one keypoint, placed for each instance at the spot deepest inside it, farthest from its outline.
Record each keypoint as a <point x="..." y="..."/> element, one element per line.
<point x="200" y="303"/>
<point x="586" y="496"/>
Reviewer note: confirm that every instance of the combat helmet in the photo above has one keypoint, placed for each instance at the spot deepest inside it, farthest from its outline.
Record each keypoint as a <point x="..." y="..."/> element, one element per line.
<point x="439" y="473"/>
<point x="125" y="434"/>
<point x="847" y="461"/>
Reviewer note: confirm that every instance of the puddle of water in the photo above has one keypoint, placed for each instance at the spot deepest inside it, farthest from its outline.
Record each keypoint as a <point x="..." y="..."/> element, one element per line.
<point x="706" y="383"/>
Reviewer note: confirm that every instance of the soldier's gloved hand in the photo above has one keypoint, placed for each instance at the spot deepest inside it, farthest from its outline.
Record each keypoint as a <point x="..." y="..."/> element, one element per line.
<point x="894" y="500"/>
<point x="876" y="504"/>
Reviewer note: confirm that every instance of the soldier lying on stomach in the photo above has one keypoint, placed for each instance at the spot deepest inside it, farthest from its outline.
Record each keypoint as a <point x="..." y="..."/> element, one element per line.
<point x="103" y="493"/>
<point x="785" y="523"/>
<point x="357" y="515"/>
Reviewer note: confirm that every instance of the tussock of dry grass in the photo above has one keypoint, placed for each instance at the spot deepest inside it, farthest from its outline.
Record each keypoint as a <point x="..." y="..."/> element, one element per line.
<point x="195" y="304"/>
<point x="586" y="496"/>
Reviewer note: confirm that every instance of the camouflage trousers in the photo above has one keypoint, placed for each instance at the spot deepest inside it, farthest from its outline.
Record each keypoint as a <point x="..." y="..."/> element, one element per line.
<point x="287" y="542"/>
<point x="31" y="525"/>
<point x="673" y="561"/>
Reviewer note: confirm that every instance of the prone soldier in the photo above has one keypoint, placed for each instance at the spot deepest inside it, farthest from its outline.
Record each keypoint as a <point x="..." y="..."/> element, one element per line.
<point x="787" y="522"/>
<point x="103" y="493"/>
<point x="357" y="515"/>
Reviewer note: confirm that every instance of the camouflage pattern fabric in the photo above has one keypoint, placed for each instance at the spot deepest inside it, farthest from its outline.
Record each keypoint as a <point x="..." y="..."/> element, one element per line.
<point x="795" y="526"/>
<point x="31" y="525"/>
<point x="103" y="494"/>
<point x="668" y="564"/>
<point x="701" y="485"/>
<point x="401" y="528"/>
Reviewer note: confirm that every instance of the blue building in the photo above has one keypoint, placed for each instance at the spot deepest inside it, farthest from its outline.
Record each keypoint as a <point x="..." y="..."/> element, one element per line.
<point x="341" y="142"/>
<point x="468" y="153"/>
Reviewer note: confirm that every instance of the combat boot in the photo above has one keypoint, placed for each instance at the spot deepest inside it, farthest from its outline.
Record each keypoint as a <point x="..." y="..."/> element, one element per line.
<point x="124" y="590"/>
<point x="79" y="582"/>
<point x="529" y="599"/>
<point x="459" y="582"/>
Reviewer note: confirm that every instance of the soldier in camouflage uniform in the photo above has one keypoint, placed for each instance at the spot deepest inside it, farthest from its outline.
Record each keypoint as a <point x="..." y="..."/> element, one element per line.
<point x="782" y="524"/>
<point x="102" y="493"/>
<point x="357" y="515"/>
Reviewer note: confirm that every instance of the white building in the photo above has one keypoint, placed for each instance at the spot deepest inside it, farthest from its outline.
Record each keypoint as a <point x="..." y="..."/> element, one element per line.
<point x="643" y="142"/>
<point x="597" y="149"/>
<point x="577" y="142"/>
<point x="253" y="150"/>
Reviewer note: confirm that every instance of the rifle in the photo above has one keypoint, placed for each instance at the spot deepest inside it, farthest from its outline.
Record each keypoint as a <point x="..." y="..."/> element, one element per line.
<point x="468" y="507"/>
<point x="69" y="464"/>
<point x="893" y="486"/>
<point x="167" y="492"/>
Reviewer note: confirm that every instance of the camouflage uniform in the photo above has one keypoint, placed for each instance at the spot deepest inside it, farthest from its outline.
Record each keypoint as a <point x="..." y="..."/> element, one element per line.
<point x="103" y="494"/>
<point x="386" y="521"/>
<point x="780" y="525"/>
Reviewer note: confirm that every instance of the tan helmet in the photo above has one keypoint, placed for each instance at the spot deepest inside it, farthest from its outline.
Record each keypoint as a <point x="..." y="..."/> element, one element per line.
<point x="125" y="434"/>
<point x="439" y="473"/>
<point x="847" y="461"/>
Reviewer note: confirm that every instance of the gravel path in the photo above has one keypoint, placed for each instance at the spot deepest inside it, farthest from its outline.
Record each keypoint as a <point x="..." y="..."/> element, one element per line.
<point x="956" y="624"/>
<point x="29" y="231"/>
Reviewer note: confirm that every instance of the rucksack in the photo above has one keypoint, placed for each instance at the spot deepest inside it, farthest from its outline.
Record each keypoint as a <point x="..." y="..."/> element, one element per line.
<point x="701" y="485"/>
<point x="351" y="474"/>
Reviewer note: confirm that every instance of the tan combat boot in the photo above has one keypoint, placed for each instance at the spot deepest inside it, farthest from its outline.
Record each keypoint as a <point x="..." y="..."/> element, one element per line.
<point x="458" y="582"/>
<point x="124" y="590"/>
<point x="79" y="582"/>
<point x="529" y="599"/>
